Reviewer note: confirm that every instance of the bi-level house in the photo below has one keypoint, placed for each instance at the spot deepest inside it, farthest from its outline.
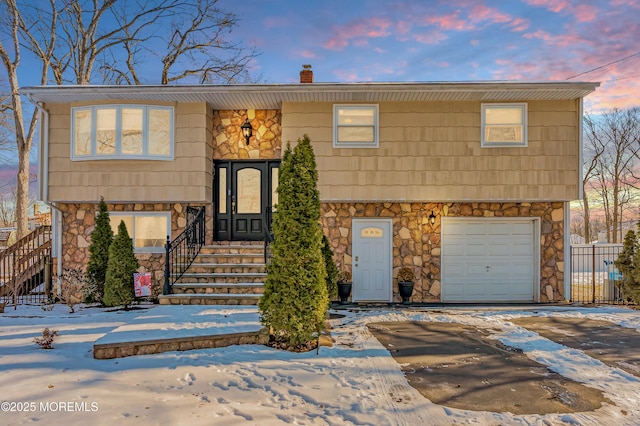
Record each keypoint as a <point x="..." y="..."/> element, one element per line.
<point x="467" y="183"/>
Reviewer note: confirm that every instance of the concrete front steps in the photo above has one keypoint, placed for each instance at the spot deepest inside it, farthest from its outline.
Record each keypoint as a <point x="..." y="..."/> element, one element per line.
<point x="225" y="273"/>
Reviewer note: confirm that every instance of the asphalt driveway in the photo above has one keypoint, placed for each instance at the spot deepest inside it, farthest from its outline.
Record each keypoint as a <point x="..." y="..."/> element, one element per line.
<point x="459" y="366"/>
<point x="607" y="342"/>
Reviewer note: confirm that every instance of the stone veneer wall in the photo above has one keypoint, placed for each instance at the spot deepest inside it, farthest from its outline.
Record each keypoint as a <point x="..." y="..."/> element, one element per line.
<point x="78" y="222"/>
<point x="229" y="144"/>
<point x="416" y="243"/>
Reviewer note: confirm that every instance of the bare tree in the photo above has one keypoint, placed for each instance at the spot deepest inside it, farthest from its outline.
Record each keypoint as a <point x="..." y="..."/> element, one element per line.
<point x="616" y="136"/>
<point x="11" y="57"/>
<point x="71" y="38"/>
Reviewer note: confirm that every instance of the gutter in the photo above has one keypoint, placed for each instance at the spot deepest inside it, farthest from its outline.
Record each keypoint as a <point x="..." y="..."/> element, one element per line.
<point x="43" y="182"/>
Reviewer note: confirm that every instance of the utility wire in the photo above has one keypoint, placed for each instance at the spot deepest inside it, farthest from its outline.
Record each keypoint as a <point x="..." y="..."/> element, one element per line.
<point x="605" y="65"/>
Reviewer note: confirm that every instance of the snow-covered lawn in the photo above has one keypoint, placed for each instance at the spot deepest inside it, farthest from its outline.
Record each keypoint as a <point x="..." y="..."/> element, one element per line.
<point x="354" y="382"/>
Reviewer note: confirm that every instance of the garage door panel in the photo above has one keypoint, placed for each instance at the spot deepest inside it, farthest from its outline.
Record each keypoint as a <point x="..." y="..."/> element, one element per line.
<point x="488" y="260"/>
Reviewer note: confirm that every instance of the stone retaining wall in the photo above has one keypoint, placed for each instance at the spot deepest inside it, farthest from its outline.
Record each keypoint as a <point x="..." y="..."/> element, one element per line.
<point x="416" y="242"/>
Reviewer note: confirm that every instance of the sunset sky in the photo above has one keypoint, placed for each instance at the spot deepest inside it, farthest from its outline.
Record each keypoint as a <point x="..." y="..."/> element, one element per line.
<point x="459" y="40"/>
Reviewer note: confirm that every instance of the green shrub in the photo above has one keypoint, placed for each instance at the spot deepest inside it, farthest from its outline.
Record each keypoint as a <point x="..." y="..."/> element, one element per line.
<point x="331" y="268"/>
<point x="295" y="300"/>
<point x="628" y="263"/>
<point x="101" y="239"/>
<point x="118" y="287"/>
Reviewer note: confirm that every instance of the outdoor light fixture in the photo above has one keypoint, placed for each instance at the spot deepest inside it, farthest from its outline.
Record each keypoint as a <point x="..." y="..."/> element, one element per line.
<point x="432" y="218"/>
<point x="247" y="131"/>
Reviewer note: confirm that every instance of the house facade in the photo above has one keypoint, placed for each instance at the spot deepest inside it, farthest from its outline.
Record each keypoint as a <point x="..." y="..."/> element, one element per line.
<point x="468" y="184"/>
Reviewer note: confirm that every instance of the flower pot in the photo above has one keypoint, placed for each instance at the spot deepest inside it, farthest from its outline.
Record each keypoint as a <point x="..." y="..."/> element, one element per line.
<point x="344" y="291"/>
<point x="406" y="289"/>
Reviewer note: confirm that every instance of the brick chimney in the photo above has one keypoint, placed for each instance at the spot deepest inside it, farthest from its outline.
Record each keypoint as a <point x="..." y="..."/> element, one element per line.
<point x="306" y="75"/>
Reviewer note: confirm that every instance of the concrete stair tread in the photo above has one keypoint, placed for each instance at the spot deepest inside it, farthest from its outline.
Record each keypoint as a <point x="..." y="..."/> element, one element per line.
<point x="223" y="274"/>
<point x="213" y="296"/>
<point x="228" y="265"/>
<point x="216" y="285"/>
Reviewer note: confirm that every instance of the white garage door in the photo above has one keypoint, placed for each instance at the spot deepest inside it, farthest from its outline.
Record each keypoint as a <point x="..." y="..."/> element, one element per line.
<point x="488" y="260"/>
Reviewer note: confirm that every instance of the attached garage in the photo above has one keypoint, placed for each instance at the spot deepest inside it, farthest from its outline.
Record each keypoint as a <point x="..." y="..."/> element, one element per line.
<point x="490" y="259"/>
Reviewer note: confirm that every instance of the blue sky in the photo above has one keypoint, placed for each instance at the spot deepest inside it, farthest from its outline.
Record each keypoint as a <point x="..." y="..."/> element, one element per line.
<point x="459" y="40"/>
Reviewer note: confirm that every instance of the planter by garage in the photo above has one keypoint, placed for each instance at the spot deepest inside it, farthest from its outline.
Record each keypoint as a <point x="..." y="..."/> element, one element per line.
<point x="405" y="289"/>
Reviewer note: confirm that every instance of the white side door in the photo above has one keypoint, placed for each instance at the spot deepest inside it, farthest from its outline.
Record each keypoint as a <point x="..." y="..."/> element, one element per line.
<point x="372" y="249"/>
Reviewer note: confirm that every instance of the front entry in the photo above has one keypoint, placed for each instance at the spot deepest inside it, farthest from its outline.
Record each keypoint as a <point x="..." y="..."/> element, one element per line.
<point x="372" y="275"/>
<point x="244" y="193"/>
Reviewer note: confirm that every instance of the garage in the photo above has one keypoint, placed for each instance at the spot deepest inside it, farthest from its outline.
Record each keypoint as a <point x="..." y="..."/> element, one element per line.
<point x="489" y="259"/>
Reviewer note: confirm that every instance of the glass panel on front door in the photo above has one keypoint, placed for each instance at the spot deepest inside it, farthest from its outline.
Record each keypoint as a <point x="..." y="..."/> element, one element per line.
<point x="249" y="191"/>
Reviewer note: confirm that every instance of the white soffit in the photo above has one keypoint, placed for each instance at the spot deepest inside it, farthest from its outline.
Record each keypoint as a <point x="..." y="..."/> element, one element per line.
<point x="271" y="96"/>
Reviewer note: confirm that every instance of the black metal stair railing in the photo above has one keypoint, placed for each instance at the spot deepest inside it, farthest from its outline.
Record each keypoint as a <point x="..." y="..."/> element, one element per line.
<point x="268" y="237"/>
<point x="181" y="252"/>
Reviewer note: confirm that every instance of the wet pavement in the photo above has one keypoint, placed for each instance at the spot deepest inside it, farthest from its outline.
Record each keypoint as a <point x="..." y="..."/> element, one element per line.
<point x="459" y="366"/>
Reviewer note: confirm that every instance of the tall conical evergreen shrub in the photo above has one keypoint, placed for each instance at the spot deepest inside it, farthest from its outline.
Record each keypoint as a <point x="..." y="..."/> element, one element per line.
<point x="101" y="239"/>
<point x="625" y="263"/>
<point x="295" y="301"/>
<point x="118" y="286"/>
<point x="331" y="268"/>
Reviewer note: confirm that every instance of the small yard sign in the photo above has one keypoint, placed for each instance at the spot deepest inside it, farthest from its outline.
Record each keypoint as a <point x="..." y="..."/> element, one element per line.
<point x="142" y="284"/>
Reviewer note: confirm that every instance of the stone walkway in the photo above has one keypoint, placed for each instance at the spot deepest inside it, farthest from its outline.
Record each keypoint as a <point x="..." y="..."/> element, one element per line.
<point x="180" y="328"/>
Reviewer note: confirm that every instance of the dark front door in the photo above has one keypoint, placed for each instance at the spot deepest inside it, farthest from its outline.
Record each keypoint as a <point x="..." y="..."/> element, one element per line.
<point x="244" y="193"/>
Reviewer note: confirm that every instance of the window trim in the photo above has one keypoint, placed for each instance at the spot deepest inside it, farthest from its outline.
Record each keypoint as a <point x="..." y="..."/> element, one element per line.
<point x="524" y="113"/>
<point x="118" y="131"/>
<point x="166" y="214"/>
<point x="374" y="144"/>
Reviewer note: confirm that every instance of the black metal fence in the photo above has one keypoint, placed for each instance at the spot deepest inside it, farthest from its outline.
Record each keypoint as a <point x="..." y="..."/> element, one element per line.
<point x="594" y="276"/>
<point x="25" y="269"/>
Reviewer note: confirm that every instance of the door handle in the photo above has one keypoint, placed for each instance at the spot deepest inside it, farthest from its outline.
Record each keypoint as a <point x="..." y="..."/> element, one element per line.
<point x="233" y="204"/>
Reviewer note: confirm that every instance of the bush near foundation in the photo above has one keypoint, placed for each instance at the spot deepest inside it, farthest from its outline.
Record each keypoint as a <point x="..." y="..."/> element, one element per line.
<point x="101" y="239"/>
<point x="628" y="263"/>
<point x="118" y="286"/>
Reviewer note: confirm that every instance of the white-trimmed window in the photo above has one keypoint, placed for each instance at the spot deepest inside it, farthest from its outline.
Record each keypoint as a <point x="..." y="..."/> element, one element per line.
<point x="104" y="132"/>
<point x="148" y="230"/>
<point x="504" y="125"/>
<point x="355" y="126"/>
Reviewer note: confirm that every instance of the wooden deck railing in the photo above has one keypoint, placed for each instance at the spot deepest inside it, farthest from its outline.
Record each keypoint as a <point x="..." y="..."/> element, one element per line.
<point x="25" y="268"/>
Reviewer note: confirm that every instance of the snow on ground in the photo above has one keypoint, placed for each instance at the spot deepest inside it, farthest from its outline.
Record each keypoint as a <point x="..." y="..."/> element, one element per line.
<point x="355" y="382"/>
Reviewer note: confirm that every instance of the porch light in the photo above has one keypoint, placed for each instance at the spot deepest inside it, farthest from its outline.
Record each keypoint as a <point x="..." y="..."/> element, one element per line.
<point x="432" y="218"/>
<point x="247" y="131"/>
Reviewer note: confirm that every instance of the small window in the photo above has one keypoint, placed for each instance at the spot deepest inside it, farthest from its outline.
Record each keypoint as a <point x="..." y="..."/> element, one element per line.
<point x="355" y="126"/>
<point x="147" y="230"/>
<point x="122" y="131"/>
<point x="504" y="125"/>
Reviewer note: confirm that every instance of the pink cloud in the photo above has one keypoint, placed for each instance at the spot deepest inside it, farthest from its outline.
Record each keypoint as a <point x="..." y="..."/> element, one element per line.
<point x="556" y="39"/>
<point x="519" y="24"/>
<point x="585" y="13"/>
<point x="308" y="54"/>
<point x="474" y="42"/>
<point x="443" y="64"/>
<point x="480" y="12"/>
<point x="552" y="5"/>
<point x="361" y="29"/>
<point x="431" y="37"/>
<point x="448" y="22"/>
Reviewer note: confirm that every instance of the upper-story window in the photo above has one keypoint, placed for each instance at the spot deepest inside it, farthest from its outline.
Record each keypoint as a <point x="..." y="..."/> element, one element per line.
<point x="355" y="126"/>
<point x="122" y="131"/>
<point x="504" y="125"/>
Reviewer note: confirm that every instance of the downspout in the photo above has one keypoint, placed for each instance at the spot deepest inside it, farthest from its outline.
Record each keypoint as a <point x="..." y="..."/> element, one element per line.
<point x="43" y="183"/>
<point x="567" y="208"/>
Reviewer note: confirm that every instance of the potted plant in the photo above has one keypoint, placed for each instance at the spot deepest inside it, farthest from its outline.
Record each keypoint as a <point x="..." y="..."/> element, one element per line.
<point x="344" y="286"/>
<point x="405" y="284"/>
